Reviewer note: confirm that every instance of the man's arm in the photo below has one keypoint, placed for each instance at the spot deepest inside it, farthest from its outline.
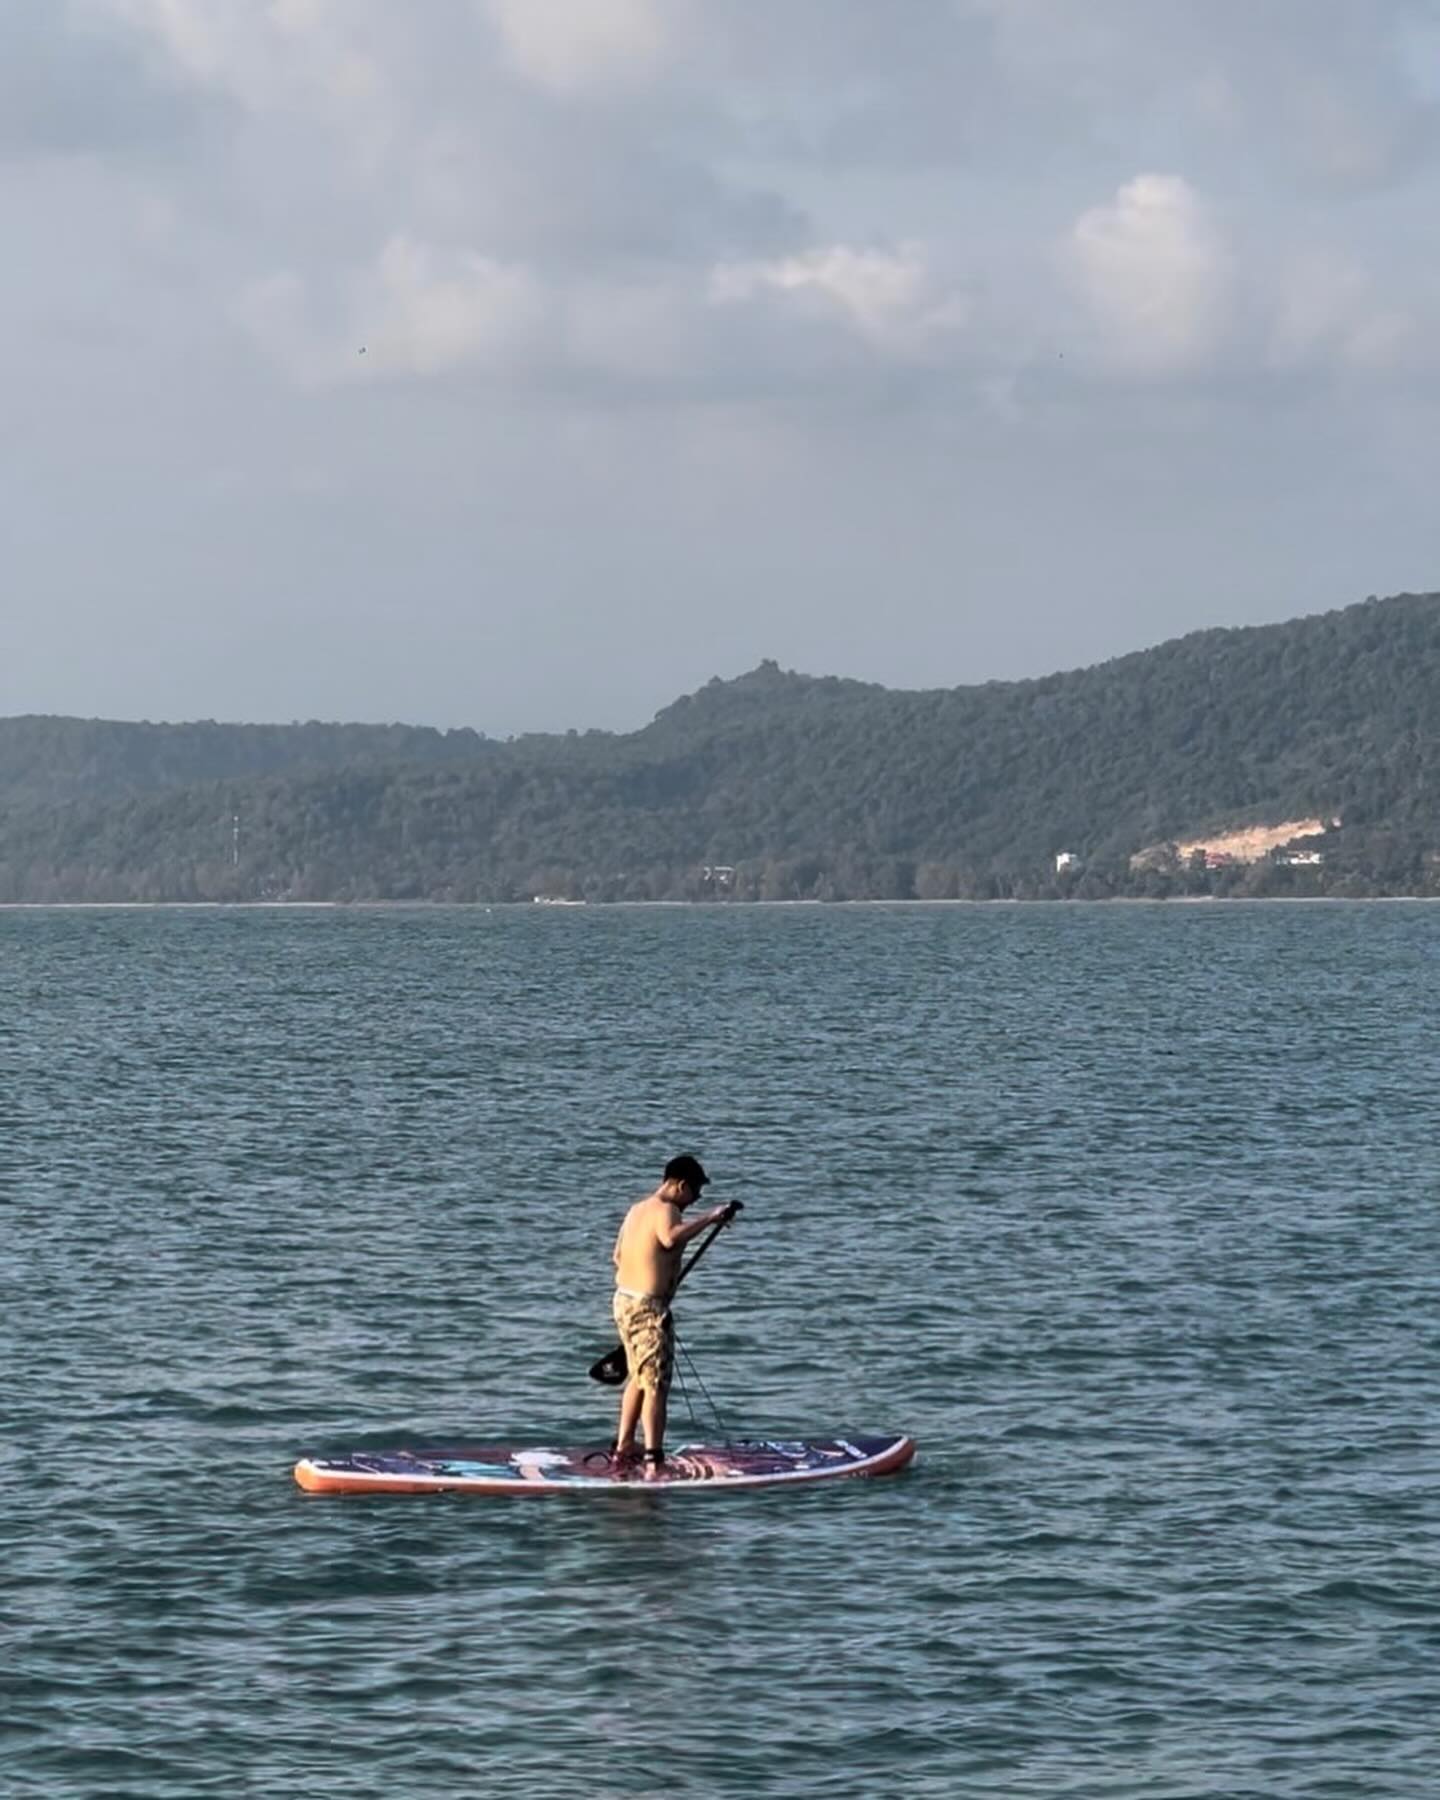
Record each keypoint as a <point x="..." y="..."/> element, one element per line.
<point x="674" y="1231"/>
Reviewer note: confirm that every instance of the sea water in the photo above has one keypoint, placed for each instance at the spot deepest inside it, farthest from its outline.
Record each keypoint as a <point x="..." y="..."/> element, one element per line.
<point x="1128" y="1213"/>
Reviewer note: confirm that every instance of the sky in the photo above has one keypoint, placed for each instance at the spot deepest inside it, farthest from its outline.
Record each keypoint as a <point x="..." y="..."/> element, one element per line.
<point x="524" y="364"/>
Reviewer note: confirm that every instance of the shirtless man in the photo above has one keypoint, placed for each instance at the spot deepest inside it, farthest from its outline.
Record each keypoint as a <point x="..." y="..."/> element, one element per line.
<point x="647" y="1265"/>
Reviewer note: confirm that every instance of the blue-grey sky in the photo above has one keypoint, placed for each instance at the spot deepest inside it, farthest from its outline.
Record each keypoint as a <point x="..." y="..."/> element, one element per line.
<point x="524" y="363"/>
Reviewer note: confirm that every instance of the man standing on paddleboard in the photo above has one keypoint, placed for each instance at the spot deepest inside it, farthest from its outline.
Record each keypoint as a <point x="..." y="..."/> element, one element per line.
<point x="647" y="1269"/>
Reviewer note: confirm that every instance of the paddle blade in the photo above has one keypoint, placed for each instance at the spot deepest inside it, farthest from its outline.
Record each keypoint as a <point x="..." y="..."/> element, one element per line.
<point x="612" y="1369"/>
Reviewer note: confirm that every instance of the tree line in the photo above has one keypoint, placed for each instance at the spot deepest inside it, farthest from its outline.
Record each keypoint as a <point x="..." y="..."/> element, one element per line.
<point x="796" y="787"/>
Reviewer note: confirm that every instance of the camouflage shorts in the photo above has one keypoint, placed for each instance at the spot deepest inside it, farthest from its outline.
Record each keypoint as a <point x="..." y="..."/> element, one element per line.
<point x="649" y="1340"/>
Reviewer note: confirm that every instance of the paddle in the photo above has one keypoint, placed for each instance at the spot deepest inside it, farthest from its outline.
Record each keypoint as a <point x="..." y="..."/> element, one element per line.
<point x="612" y="1368"/>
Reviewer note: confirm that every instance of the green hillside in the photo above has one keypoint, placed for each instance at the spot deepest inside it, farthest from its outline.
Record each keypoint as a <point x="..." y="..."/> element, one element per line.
<point x="806" y="787"/>
<point x="46" y="760"/>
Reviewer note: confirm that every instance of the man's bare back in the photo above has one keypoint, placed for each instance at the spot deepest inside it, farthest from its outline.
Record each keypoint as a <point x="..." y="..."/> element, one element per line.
<point x="647" y="1250"/>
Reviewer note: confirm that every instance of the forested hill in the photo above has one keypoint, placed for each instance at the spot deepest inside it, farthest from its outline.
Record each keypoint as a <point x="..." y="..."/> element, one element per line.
<point x="804" y="787"/>
<point x="43" y="760"/>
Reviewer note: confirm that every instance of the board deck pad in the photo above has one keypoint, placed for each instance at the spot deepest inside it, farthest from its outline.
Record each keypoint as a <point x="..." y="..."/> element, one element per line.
<point x="512" y="1469"/>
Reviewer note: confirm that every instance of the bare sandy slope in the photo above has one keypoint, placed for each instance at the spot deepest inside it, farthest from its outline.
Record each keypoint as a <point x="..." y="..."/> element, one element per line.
<point x="1251" y="842"/>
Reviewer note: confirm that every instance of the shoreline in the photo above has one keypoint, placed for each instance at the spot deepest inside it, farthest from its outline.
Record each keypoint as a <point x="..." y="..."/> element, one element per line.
<point x="528" y="906"/>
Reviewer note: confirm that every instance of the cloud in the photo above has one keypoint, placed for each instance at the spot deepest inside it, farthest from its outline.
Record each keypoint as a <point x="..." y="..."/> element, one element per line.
<point x="422" y="311"/>
<point x="283" y="55"/>
<point x="1317" y="97"/>
<point x="645" y="335"/>
<point x="662" y="197"/>
<point x="416" y="311"/>
<point x="67" y="90"/>
<point x="1156" y="276"/>
<point x="890" y="297"/>
<point x="568" y="48"/>
<point x="1169" y="292"/>
<point x="1327" y="311"/>
<point x="1163" y="296"/>
<point x="272" y="311"/>
<point x="544" y="191"/>
<point x="779" y="307"/>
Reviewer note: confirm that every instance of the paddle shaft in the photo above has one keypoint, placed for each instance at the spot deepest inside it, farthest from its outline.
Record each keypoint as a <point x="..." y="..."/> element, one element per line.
<point x="706" y="1242"/>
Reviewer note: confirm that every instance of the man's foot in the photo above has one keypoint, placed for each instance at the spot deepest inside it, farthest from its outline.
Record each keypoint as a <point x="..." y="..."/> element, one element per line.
<point x="655" y="1459"/>
<point x="624" y="1453"/>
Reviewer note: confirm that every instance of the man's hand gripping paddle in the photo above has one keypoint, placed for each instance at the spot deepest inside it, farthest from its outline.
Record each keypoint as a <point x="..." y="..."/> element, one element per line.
<point x="612" y="1368"/>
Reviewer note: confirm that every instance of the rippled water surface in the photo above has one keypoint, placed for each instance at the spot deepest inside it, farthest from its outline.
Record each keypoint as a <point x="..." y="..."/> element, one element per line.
<point x="1128" y="1213"/>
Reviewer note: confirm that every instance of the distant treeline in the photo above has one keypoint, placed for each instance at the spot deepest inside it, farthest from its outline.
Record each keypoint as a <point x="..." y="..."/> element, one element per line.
<point x="780" y="786"/>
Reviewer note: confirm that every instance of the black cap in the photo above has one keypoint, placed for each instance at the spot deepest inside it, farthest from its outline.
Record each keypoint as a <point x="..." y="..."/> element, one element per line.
<point x="688" y="1170"/>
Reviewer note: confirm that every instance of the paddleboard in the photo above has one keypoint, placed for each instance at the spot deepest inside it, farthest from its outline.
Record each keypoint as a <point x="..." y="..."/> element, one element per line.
<point x="510" y="1469"/>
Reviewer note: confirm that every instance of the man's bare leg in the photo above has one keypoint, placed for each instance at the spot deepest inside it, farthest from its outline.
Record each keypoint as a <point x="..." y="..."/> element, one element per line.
<point x="629" y="1417"/>
<point x="652" y="1416"/>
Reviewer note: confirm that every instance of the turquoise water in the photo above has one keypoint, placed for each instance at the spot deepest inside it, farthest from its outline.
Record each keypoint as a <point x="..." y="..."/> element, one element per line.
<point x="1128" y="1213"/>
